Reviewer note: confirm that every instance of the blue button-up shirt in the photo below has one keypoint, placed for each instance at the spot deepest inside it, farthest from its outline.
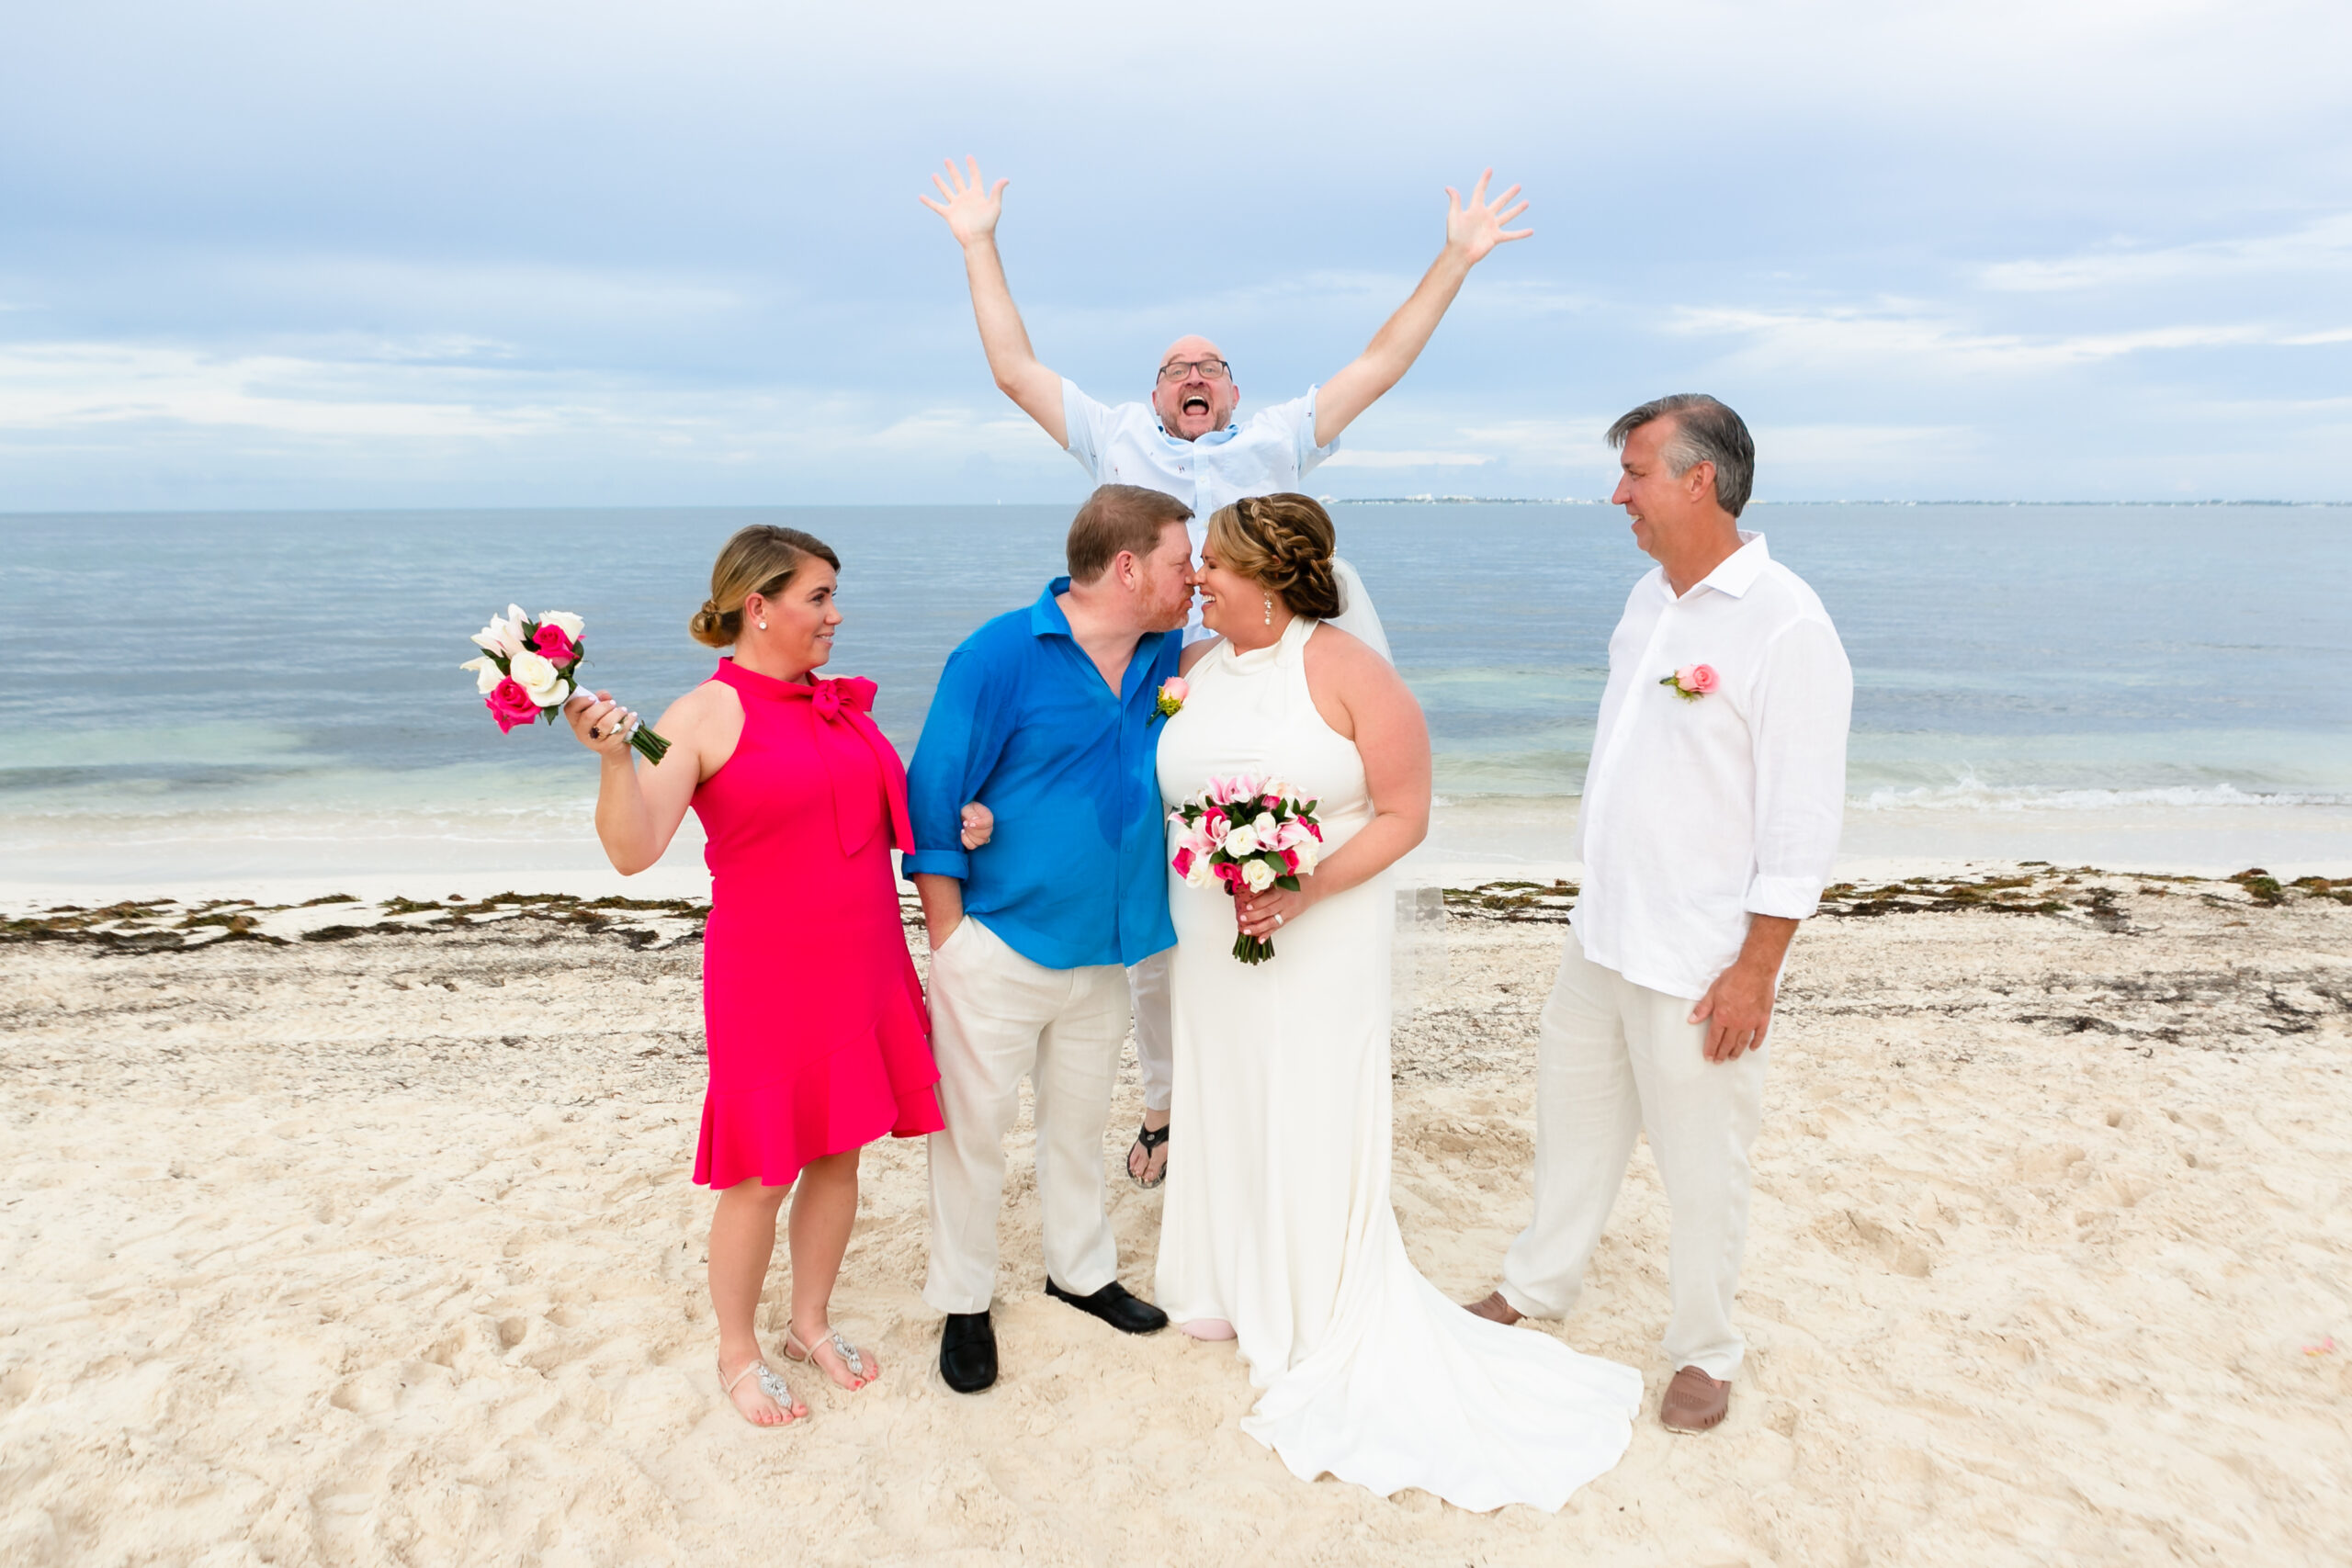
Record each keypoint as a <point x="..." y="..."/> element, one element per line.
<point x="1023" y="723"/>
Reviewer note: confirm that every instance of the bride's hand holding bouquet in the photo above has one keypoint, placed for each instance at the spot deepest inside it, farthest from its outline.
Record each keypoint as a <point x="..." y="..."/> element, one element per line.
<point x="1256" y="916"/>
<point x="1261" y="842"/>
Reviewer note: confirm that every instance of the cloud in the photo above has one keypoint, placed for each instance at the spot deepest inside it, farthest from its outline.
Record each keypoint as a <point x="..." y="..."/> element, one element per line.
<point x="413" y="392"/>
<point x="1575" y="440"/>
<point x="561" y="249"/>
<point x="1907" y="338"/>
<point x="458" y="393"/>
<point x="2324" y="247"/>
<point x="1351" y="458"/>
<point x="1840" y="448"/>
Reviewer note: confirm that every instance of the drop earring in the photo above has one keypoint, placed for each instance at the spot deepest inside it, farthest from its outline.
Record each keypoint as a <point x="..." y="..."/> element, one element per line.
<point x="1270" y="609"/>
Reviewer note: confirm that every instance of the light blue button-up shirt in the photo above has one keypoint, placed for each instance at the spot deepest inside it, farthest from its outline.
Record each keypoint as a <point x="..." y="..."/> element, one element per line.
<point x="1125" y="444"/>
<point x="1273" y="449"/>
<point x="1023" y="723"/>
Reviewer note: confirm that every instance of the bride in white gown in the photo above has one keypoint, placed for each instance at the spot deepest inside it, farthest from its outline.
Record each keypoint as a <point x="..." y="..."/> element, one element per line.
<point x="1277" y="1229"/>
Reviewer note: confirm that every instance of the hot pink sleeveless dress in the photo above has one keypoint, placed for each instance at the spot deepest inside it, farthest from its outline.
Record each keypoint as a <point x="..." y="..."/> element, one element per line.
<point x="819" y="1040"/>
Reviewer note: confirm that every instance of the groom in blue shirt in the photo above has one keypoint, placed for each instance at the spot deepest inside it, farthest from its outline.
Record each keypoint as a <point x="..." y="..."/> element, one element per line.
<point x="1045" y="715"/>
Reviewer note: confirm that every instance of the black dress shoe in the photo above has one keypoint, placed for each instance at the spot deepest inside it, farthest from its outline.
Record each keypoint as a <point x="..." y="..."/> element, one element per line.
<point x="968" y="1351"/>
<point x="1113" y="1305"/>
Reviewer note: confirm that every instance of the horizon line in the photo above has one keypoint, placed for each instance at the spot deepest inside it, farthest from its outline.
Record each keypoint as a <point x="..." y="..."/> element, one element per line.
<point x="1424" y="500"/>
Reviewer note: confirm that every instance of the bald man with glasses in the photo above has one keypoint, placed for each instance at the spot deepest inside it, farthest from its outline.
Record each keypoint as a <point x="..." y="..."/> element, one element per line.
<point x="1186" y="442"/>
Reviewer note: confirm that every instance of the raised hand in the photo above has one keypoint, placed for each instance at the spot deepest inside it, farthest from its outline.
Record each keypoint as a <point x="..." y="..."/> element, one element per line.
<point x="970" y="205"/>
<point x="1477" y="226"/>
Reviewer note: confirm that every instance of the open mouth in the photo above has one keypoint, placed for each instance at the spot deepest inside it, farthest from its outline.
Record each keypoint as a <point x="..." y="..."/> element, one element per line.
<point x="1194" y="404"/>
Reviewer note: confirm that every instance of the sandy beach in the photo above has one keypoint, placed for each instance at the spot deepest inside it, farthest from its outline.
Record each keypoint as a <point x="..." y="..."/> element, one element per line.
<point x="357" y="1233"/>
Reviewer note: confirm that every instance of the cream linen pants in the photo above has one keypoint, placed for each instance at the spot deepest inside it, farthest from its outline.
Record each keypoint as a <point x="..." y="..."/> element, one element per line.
<point x="995" y="1017"/>
<point x="1613" y="1059"/>
<point x="1154" y="1030"/>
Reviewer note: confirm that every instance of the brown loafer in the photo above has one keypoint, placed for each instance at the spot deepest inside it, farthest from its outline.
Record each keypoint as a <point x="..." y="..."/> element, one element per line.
<point x="1494" y="1309"/>
<point x="1694" y="1402"/>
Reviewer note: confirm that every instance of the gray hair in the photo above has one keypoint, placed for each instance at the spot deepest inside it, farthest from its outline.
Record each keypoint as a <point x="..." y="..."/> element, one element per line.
<point x="1705" y="431"/>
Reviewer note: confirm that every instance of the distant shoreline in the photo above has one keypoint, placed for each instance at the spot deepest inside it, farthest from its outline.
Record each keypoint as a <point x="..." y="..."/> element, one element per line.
<point x="1580" y="501"/>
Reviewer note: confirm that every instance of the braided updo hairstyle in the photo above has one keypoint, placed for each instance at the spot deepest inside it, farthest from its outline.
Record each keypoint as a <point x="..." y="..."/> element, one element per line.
<point x="759" y="559"/>
<point x="1283" y="543"/>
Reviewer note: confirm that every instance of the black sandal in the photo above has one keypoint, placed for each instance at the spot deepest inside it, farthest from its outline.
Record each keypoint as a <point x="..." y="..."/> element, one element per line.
<point x="1149" y="1142"/>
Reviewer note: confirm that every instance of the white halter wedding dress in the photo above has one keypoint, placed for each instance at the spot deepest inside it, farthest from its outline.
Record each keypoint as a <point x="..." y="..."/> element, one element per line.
<point x="1277" y="1217"/>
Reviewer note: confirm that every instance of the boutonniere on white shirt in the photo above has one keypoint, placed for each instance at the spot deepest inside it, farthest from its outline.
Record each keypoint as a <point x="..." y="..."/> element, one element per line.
<point x="1173" y="692"/>
<point x="1692" y="682"/>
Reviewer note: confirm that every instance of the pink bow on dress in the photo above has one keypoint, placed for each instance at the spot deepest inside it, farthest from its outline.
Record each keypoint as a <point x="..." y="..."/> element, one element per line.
<point x="852" y="693"/>
<point x="843" y="705"/>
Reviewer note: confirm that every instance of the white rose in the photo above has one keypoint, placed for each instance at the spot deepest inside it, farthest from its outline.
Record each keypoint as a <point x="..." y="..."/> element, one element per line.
<point x="1307" y="850"/>
<point x="1266" y="827"/>
<point x="1201" y="874"/>
<point x="486" y="675"/>
<point x="1256" y="875"/>
<point x="540" y="678"/>
<point x="1241" y="841"/>
<point x="501" y="637"/>
<point x="572" y="624"/>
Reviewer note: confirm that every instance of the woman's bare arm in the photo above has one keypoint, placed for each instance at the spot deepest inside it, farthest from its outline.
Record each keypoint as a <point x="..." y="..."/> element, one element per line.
<point x="1363" y="698"/>
<point x="641" y="804"/>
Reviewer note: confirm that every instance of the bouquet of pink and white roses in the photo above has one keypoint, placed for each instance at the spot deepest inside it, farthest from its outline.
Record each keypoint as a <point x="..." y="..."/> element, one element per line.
<point x="1246" y="832"/>
<point x="527" y="671"/>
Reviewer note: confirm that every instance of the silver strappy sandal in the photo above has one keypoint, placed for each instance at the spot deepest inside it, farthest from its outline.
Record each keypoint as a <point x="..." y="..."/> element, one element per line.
<point x="794" y="1350"/>
<point x="774" y="1386"/>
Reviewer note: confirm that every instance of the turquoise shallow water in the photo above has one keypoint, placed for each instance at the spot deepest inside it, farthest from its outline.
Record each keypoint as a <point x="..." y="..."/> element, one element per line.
<point x="286" y="681"/>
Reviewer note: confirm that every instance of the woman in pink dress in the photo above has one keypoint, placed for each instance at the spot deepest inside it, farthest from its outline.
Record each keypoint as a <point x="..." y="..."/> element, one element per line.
<point x="819" y="1042"/>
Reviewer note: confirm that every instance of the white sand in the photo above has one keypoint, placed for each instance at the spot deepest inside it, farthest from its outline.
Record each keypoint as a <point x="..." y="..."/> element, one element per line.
<point x="383" y="1251"/>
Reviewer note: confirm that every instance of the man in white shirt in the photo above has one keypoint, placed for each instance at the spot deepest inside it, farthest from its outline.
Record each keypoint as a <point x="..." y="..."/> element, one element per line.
<point x="1187" y="443"/>
<point x="1711" y="809"/>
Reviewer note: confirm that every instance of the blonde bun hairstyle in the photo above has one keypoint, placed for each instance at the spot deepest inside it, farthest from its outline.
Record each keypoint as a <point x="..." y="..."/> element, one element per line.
<point x="1283" y="543"/>
<point x="759" y="559"/>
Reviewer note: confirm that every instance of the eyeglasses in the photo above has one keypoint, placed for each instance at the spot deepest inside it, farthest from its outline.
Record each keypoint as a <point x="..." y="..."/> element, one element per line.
<point x="1210" y="369"/>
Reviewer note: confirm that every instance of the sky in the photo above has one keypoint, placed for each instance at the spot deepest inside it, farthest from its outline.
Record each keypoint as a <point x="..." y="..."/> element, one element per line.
<point x="284" y="254"/>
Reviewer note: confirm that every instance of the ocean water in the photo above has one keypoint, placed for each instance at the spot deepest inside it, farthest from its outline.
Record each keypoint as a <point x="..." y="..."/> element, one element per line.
<point x="202" y="696"/>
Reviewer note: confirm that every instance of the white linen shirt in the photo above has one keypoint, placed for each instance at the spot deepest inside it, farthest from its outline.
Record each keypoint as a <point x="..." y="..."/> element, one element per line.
<point x="1127" y="444"/>
<point x="1698" y="814"/>
<point x="1272" y="450"/>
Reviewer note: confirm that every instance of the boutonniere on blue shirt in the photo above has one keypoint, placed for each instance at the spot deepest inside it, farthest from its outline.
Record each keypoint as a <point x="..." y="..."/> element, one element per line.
<point x="1173" y="692"/>
<point x="1692" y="682"/>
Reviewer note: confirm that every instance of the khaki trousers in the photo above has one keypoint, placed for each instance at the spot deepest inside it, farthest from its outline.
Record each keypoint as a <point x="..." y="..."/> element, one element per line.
<point x="1614" y="1058"/>
<point x="996" y="1017"/>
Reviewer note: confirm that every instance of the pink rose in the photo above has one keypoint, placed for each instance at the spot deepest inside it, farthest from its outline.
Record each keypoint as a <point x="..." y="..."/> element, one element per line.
<point x="1290" y="861"/>
<point x="510" y="704"/>
<point x="1317" y="831"/>
<point x="1228" y="873"/>
<point x="1175" y="689"/>
<point x="1699" y="678"/>
<point x="1183" y="864"/>
<point x="554" y="645"/>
